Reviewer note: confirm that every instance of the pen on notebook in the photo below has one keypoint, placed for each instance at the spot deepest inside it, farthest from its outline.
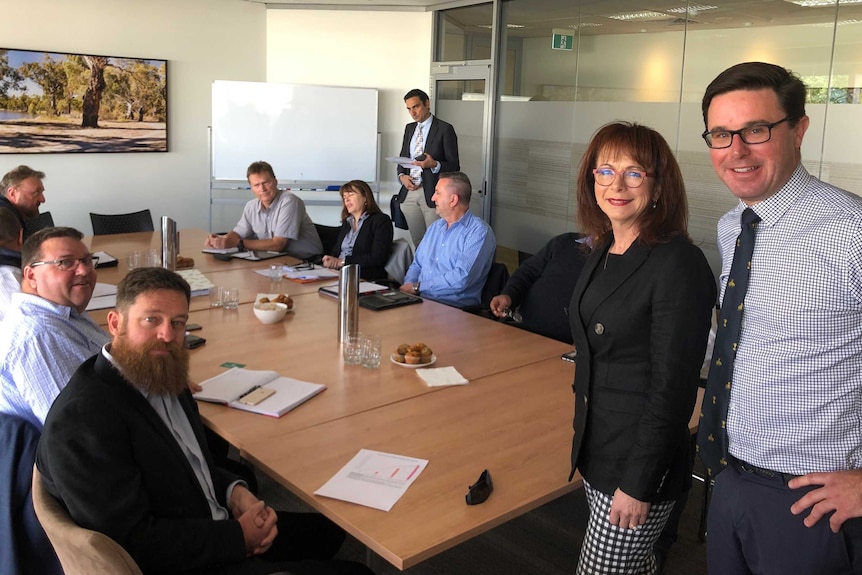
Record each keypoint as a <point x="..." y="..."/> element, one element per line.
<point x="249" y="392"/>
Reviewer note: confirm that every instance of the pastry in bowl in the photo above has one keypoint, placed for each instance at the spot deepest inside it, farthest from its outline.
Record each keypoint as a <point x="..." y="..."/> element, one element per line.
<point x="270" y="312"/>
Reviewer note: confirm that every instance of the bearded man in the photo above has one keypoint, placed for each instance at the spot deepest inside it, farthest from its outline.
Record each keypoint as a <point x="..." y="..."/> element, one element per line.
<point x="123" y="448"/>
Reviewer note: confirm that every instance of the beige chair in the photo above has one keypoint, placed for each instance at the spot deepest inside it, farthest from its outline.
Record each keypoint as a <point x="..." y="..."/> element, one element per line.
<point x="81" y="551"/>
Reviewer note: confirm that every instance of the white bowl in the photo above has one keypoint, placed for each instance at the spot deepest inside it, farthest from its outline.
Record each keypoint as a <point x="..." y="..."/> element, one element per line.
<point x="270" y="312"/>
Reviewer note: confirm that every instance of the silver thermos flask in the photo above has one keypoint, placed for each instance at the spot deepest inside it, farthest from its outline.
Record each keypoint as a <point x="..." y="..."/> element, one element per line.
<point x="170" y="243"/>
<point x="348" y="302"/>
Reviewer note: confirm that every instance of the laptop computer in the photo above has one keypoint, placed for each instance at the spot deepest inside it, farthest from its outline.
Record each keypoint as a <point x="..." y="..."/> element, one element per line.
<point x="387" y="299"/>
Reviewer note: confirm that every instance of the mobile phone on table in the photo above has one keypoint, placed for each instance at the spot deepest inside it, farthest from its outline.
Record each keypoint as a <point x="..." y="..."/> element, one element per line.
<point x="193" y="326"/>
<point x="570" y="356"/>
<point x="193" y="341"/>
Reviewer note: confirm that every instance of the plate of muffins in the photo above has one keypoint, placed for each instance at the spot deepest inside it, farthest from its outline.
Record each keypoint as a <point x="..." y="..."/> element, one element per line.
<point x="413" y="356"/>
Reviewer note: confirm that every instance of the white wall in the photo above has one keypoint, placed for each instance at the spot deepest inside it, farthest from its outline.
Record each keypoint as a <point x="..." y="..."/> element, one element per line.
<point x="203" y="40"/>
<point x="390" y="51"/>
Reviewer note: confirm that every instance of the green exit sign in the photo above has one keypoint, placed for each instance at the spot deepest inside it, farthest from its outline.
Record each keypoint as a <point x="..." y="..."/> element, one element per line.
<point x="563" y="41"/>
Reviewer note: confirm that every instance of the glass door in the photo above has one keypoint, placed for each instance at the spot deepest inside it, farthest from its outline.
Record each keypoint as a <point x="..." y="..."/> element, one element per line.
<point x="460" y="97"/>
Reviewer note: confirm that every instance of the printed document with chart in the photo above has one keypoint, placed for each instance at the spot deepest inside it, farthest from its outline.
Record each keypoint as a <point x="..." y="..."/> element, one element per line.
<point x="374" y="479"/>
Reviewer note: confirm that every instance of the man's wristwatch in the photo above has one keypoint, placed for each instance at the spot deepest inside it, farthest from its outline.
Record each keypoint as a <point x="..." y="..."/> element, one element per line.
<point x="416" y="288"/>
<point x="241" y="245"/>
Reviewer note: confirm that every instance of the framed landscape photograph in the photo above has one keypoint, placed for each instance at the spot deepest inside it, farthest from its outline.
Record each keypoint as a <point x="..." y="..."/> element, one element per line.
<point x="52" y="102"/>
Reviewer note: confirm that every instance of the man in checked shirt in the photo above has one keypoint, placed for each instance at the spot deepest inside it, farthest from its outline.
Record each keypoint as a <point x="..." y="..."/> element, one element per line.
<point x="790" y="498"/>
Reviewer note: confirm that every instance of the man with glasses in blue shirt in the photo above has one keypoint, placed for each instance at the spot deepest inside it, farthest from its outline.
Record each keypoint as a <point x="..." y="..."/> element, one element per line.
<point x="787" y="453"/>
<point x="46" y="334"/>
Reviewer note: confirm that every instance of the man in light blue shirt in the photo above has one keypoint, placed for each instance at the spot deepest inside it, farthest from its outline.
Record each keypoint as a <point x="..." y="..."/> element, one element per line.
<point x="46" y="334"/>
<point x="454" y="257"/>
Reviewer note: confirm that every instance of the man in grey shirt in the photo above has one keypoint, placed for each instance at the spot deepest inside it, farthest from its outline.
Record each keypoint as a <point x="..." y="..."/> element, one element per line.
<point x="275" y="221"/>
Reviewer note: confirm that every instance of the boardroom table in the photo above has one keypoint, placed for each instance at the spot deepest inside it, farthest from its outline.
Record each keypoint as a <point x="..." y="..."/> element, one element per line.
<point x="513" y="418"/>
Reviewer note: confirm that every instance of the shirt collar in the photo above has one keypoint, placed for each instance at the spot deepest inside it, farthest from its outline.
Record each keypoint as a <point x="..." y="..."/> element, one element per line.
<point x="774" y="207"/>
<point x="33" y="300"/>
<point x="274" y="201"/>
<point x="426" y="123"/>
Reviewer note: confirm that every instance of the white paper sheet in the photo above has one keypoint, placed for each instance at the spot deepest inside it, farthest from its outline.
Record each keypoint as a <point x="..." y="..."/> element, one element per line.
<point x="104" y="297"/>
<point x="403" y="162"/>
<point x="374" y="479"/>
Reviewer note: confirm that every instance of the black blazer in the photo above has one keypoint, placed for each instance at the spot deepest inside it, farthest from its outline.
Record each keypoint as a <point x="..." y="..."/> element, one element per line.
<point x="117" y="468"/>
<point x="639" y="353"/>
<point x="442" y="144"/>
<point x="372" y="247"/>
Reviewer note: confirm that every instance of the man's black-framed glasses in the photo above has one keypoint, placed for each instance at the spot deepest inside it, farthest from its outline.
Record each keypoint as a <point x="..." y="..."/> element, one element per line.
<point x="631" y="178"/>
<point x="69" y="264"/>
<point x="481" y="490"/>
<point x="756" y="134"/>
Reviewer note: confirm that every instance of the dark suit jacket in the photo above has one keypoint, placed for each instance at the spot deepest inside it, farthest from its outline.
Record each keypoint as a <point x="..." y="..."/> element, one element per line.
<point x="640" y="346"/>
<point x="372" y="247"/>
<point x="114" y="464"/>
<point x="442" y="144"/>
<point x="24" y="547"/>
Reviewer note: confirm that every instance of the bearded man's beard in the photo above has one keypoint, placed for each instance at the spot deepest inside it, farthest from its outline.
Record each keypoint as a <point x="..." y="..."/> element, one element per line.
<point x="153" y="374"/>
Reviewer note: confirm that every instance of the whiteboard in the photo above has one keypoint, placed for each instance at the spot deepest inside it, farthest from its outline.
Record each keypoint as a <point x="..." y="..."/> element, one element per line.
<point x="307" y="133"/>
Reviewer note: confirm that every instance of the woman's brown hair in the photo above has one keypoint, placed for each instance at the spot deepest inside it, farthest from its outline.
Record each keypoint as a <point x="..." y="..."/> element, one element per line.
<point x="667" y="217"/>
<point x="363" y="190"/>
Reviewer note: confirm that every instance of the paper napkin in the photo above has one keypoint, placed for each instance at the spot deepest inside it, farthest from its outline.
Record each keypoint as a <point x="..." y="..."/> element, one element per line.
<point x="440" y="376"/>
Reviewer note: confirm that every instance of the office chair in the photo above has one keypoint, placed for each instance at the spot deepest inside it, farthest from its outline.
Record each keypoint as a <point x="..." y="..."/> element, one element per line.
<point x="328" y="237"/>
<point x="43" y="220"/>
<point x="81" y="551"/>
<point x="106" y="224"/>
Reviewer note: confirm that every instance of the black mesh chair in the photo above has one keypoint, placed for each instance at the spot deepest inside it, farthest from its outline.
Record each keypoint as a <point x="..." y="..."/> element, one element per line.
<point x="328" y="237"/>
<point x="43" y="220"/>
<point x="107" y="224"/>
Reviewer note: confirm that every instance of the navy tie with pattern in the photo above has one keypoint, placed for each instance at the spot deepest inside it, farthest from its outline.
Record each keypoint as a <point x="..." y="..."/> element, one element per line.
<point x="712" y="432"/>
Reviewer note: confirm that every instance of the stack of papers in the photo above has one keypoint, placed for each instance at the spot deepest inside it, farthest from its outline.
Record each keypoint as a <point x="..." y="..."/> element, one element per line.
<point x="104" y="297"/>
<point x="220" y="251"/>
<point x="374" y="479"/>
<point x="303" y="275"/>
<point x="199" y="283"/>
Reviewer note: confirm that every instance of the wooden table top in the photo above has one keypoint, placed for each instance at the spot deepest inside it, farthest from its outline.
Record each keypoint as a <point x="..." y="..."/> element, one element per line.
<point x="305" y="346"/>
<point x="516" y="423"/>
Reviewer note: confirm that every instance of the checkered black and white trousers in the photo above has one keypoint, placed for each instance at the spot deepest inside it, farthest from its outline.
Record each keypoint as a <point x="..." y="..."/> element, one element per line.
<point x="611" y="550"/>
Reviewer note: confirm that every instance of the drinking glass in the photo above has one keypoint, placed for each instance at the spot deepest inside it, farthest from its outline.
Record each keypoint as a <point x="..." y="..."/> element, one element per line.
<point x="216" y="296"/>
<point x="353" y="349"/>
<point x="152" y="258"/>
<point x="371" y="351"/>
<point x="275" y="278"/>
<point x="231" y="298"/>
<point x="133" y="260"/>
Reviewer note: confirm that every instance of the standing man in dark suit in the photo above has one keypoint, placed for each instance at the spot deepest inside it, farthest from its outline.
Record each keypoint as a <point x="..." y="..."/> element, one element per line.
<point x="123" y="448"/>
<point x="435" y="139"/>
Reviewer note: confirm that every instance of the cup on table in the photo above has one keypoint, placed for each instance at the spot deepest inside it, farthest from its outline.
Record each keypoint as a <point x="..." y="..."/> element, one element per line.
<point x="216" y="296"/>
<point x="133" y="260"/>
<point x="353" y="349"/>
<point x="152" y="258"/>
<point x="275" y="278"/>
<point x="231" y="298"/>
<point x="370" y="351"/>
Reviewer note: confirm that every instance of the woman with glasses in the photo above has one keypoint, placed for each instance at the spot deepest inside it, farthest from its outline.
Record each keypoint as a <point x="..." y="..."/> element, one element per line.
<point x="366" y="233"/>
<point x="640" y="316"/>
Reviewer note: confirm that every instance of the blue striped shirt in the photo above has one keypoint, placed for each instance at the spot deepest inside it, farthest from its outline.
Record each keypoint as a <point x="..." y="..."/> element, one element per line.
<point x="41" y="345"/>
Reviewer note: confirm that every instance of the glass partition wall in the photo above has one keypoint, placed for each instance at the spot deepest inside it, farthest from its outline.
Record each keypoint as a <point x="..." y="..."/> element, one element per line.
<point x="565" y="67"/>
